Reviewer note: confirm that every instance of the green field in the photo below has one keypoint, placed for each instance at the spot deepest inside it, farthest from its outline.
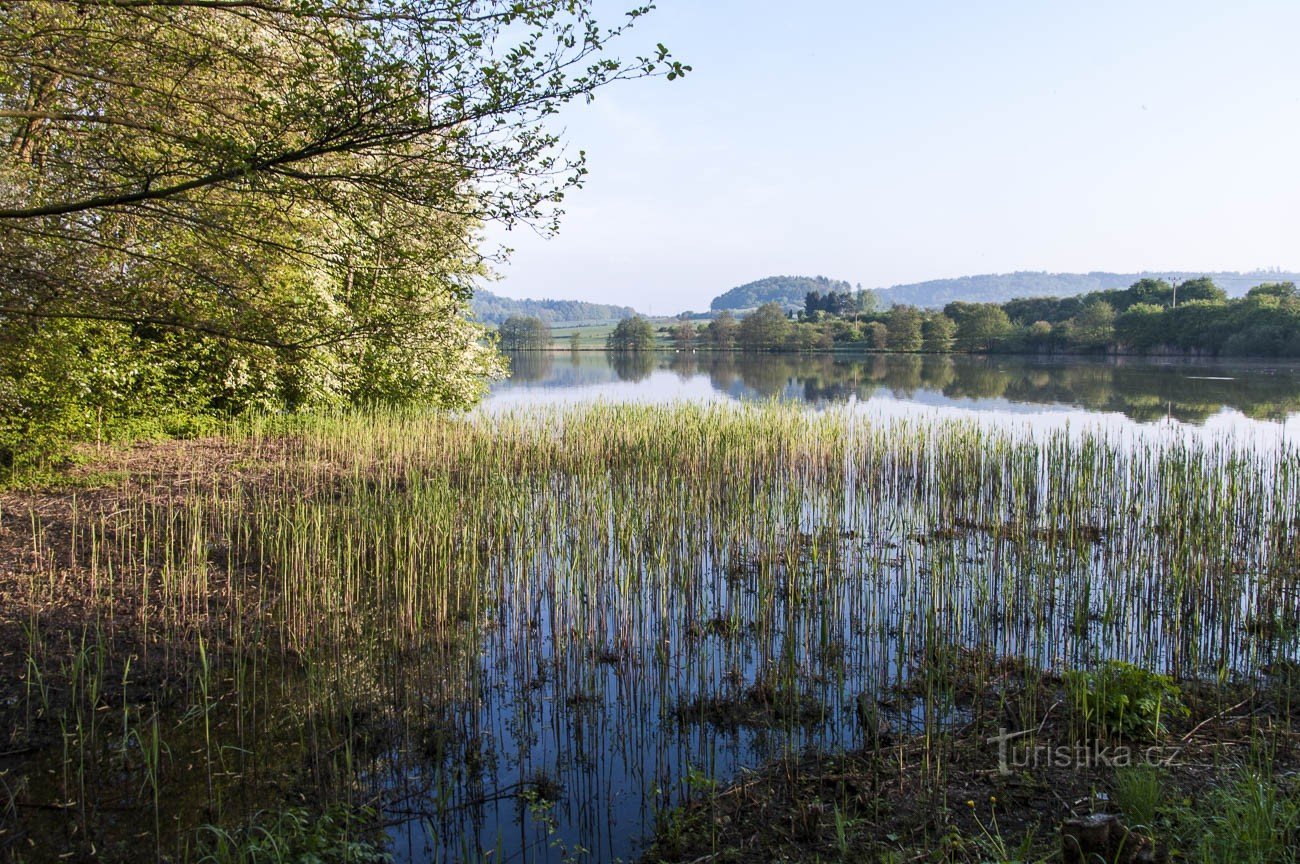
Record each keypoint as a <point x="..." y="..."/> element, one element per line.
<point x="592" y="334"/>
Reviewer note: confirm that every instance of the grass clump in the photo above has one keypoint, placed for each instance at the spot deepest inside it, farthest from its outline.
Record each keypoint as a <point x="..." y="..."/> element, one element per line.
<point x="1123" y="699"/>
<point x="294" y="836"/>
<point x="1254" y="819"/>
<point x="1139" y="793"/>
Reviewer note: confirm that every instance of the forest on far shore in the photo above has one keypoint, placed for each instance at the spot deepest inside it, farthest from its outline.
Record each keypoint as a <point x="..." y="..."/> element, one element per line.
<point x="1195" y="318"/>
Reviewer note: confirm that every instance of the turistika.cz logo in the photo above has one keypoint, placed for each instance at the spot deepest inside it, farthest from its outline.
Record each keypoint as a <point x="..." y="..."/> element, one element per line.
<point x="1017" y="751"/>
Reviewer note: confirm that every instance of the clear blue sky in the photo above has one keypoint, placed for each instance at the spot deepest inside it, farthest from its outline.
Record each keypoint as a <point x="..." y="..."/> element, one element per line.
<point x="895" y="142"/>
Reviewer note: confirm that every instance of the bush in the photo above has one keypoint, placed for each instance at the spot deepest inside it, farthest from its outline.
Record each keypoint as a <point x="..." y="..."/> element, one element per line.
<point x="293" y="837"/>
<point x="1124" y="699"/>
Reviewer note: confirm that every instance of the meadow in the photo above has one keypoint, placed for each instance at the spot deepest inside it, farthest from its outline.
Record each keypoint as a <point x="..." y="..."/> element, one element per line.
<point x="578" y="633"/>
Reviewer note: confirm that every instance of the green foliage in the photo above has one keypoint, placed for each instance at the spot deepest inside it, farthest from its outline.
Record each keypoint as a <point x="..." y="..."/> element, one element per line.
<point x="831" y="303"/>
<point x="293" y="837"/>
<point x="493" y="309"/>
<point x="1064" y="288"/>
<point x="938" y="334"/>
<point x="1139" y="792"/>
<point x="903" y="326"/>
<point x="1202" y="288"/>
<point x="1280" y="290"/>
<point x="722" y="332"/>
<point x="524" y="333"/>
<point x="211" y="208"/>
<point x="980" y="327"/>
<point x="1254" y="819"/>
<point x="764" y="329"/>
<point x="788" y="292"/>
<point x="1140" y="319"/>
<point x="1095" y="324"/>
<point x="1125" y="699"/>
<point x="684" y="335"/>
<point x="876" y="336"/>
<point x="63" y="381"/>
<point x="633" y="335"/>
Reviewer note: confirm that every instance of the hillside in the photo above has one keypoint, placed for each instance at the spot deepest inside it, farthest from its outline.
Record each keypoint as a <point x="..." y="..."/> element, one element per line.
<point x="1001" y="287"/>
<point x="789" y="291"/>
<point x="493" y="309"/>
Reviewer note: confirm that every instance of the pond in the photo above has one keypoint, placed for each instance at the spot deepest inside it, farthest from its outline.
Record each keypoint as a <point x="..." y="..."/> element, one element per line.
<point x="528" y="632"/>
<point x="705" y="654"/>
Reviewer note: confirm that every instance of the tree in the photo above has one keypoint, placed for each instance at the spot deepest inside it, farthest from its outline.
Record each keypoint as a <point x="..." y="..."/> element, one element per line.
<point x="1200" y="289"/>
<point x="1283" y="290"/>
<point x="981" y="327"/>
<point x="722" y="332"/>
<point x="865" y="302"/>
<point x="1039" y="335"/>
<point x="812" y="304"/>
<point x="1142" y="326"/>
<point x="1095" y="324"/>
<point x="683" y="334"/>
<point x="938" y="334"/>
<point x="524" y="333"/>
<point x="876" y="335"/>
<point x="1156" y="292"/>
<point x="764" y="329"/>
<point x="274" y="202"/>
<point x="631" y="336"/>
<point x="790" y="292"/>
<point x="904" y="328"/>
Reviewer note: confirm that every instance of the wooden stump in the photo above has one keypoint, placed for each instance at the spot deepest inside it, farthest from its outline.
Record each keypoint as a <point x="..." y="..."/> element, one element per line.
<point x="1103" y="839"/>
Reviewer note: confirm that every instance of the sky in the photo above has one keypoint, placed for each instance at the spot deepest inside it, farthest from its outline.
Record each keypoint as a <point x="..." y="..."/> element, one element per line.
<point x="885" y="143"/>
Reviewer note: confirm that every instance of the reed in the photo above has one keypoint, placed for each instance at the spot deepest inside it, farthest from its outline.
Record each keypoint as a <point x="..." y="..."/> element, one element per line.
<point x="422" y="612"/>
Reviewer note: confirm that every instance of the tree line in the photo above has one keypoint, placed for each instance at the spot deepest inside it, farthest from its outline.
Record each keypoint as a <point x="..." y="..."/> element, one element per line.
<point x="1151" y="317"/>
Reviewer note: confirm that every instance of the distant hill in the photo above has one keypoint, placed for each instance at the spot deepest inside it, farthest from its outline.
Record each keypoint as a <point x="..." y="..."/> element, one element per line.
<point x="1001" y="287"/>
<point x="493" y="309"/>
<point x="789" y="291"/>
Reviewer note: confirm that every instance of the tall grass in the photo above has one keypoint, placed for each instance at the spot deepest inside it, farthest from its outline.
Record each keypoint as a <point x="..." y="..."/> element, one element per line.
<point x="430" y="613"/>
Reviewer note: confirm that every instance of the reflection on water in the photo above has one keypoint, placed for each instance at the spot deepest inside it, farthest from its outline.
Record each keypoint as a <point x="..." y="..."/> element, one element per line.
<point x="526" y="636"/>
<point x="656" y="618"/>
<point x="1141" y="390"/>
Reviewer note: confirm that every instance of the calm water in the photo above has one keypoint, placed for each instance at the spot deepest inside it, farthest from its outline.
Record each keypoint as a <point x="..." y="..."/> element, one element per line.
<point x="609" y="733"/>
<point x="1247" y="399"/>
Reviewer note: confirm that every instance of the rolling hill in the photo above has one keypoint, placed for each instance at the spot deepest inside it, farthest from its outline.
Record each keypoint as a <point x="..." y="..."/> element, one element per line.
<point x="789" y="291"/>
<point x="1001" y="287"/>
<point x="493" y="309"/>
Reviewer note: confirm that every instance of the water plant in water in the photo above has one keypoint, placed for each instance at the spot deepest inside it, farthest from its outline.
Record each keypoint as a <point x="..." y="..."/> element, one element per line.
<point x="423" y="613"/>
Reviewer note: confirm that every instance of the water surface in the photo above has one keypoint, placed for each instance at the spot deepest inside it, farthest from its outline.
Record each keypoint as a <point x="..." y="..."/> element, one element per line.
<point x="1248" y="399"/>
<point x="615" y="640"/>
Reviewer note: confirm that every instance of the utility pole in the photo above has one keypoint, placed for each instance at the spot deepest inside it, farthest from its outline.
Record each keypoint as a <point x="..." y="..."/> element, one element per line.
<point x="1175" y="293"/>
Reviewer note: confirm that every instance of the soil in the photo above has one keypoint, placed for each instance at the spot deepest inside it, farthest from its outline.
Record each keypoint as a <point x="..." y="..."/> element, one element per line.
<point x="947" y="798"/>
<point x="50" y="606"/>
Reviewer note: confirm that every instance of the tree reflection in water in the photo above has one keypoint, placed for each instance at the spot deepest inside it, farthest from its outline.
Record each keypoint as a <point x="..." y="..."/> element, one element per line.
<point x="1142" y="390"/>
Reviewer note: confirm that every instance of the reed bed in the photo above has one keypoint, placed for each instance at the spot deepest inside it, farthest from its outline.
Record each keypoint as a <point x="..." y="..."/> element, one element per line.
<point x="528" y="634"/>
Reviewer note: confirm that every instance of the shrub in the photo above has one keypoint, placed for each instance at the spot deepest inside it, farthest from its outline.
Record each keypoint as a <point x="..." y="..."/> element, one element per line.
<point x="1125" y="699"/>
<point x="293" y="837"/>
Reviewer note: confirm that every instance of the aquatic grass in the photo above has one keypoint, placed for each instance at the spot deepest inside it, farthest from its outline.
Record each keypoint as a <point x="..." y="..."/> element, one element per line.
<point x="417" y="610"/>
